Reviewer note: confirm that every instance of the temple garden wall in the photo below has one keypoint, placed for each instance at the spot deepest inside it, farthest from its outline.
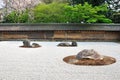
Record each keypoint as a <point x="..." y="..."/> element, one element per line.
<point x="60" y="32"/>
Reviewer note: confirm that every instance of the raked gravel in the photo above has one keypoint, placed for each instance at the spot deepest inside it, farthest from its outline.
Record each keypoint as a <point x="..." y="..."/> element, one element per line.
<point x="46" y="62"/>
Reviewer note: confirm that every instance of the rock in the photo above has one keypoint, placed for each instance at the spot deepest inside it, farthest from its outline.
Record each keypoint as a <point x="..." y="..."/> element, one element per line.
<point x="88" y="54"/>
<point x="26" y="43"/>
<point x="63" y="44"/>
<point x="35" y="45"/>
<point x="74" y="43"/>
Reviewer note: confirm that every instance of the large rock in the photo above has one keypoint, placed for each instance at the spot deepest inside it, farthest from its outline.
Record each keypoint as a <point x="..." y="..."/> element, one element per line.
<point x="26" y="43"/>
<point x="88" y="54"/>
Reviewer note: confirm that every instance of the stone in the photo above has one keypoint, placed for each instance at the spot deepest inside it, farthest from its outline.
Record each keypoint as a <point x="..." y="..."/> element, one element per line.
<point x="88" y="54"/>
<point x="63" y="44"/>
<point x="74" y="43"/>
<point x="26" y="43"/>
<point x="35" y="45"/>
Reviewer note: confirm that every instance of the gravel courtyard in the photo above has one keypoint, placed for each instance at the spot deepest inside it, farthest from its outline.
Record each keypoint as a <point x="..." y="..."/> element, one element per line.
<point x="46" y="62"/>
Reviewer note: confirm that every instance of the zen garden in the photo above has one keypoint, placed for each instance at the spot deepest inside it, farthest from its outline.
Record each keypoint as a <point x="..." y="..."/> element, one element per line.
<point x="59" y="39"/>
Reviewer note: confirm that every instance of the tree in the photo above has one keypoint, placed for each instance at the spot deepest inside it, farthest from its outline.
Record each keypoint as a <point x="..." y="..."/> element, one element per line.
<point x="51" y="1"/>
<point x="114" y="5"/>
<point x="93" y="2"/>
<point x="114" y="10"/>
<point x="86" y="13"/>
<point x="14" y="18"/>
<point x="49" y="13"/>
<point x="62" y="13"/>
<point x="19" y="6"/>
<point x="47" y="1"/>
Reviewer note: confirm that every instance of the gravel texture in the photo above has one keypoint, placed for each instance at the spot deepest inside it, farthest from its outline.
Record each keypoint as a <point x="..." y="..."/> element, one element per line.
<point x="46" y="62"/>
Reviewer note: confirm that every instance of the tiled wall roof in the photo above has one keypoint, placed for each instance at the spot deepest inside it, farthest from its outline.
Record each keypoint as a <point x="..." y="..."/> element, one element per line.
<point x="56" y="26"/>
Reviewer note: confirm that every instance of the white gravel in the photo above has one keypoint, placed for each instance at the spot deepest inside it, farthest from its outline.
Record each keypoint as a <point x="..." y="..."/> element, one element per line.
<point x="46" y="62"/>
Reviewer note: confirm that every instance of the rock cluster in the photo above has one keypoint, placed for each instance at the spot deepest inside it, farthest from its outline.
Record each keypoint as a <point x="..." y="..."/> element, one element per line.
<point x="26" y="43"/>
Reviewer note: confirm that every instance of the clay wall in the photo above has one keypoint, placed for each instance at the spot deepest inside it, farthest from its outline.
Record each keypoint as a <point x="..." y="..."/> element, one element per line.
<point x="61" y="35"/>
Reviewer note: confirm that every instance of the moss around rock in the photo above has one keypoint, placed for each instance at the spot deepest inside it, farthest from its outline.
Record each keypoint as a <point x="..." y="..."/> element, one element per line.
<point x="89" y="57"/>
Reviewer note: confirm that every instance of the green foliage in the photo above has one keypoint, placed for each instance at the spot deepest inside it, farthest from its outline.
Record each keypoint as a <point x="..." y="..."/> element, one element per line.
<point x="86" y="13"/>
<point x="15" y="17"/>
<point x="92" y="2"/>
<point x="11" y="18"/>
<point x="49" y="13"/>
<point x="23" y="18"/>
<point x="62" y="13"/>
